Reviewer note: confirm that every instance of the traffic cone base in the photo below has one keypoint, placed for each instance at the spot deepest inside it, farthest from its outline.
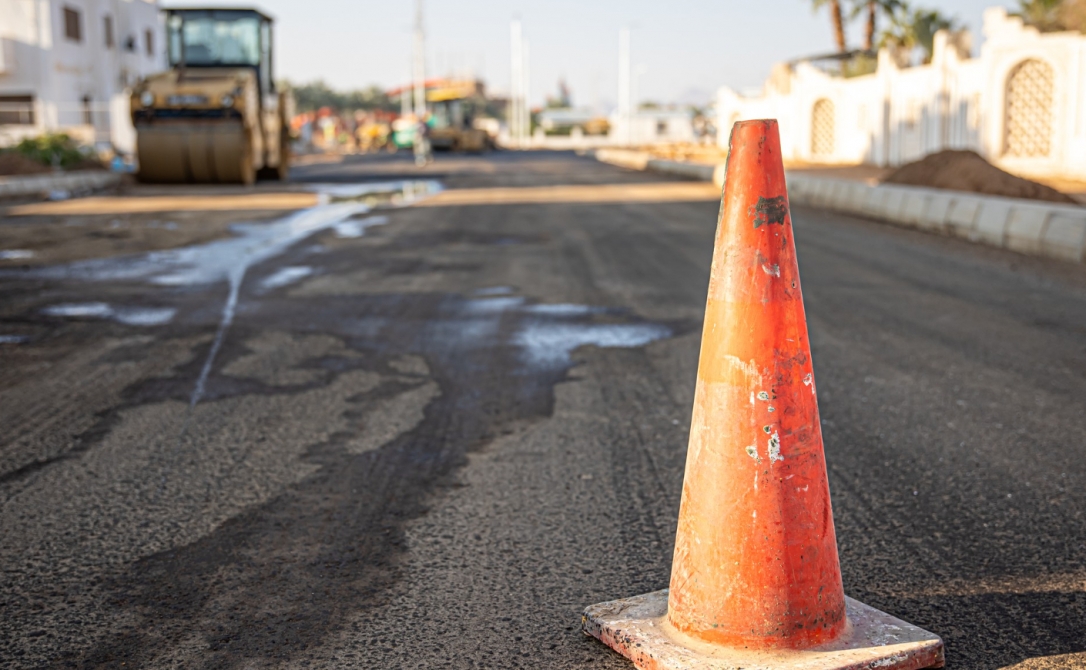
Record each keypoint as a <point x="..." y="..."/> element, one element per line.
<point x="638" y="629"/>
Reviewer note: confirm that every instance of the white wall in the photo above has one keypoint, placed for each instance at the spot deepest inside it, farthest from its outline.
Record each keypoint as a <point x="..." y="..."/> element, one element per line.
<point x="39" y="60"/>
<point x="899" y="114"/>
<point x="652" y="127"/>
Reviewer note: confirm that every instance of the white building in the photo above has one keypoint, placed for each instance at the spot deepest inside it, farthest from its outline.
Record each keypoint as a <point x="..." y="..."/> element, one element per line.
<point x="65" y="66"/>
<point x="652" y="126"/>
<point x="1021" y="104"/>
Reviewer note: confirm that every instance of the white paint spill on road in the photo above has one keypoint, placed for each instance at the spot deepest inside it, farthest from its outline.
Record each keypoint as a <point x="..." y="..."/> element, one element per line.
<point x="13" y="339"/>
<point x="230" y="259"/>
<point x="98" y="310"/>
<point x="550" y="344"/>
<point x="131" y="316"/>
<point x="15" y="254"/>
<point x="404" y="192"/>
<point x="543" y="334"/>
<point x="352" y="229"/>
<point x="562" y="309"/>
<point x="284" y="276"/>
<point x="272" y="240"/>
<point x="149" y="316"/>
<point x="465" y="333"/>
<point x="251" y="244"/>
<point x="493" y="290"/>
<point x="492" y="305"/>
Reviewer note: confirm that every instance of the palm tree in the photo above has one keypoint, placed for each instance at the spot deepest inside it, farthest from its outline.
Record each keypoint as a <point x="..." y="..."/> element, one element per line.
<point x="872" y="9"/>
<point x="911" y="28"/>
<point x="837" y="19"/>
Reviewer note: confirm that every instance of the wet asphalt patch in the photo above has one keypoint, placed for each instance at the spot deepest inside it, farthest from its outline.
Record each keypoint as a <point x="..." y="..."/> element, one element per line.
<point x="330" y="545"/>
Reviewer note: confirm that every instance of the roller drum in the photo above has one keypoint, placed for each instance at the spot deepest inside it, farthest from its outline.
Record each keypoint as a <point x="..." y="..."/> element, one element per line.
<point x="195" y="153"/>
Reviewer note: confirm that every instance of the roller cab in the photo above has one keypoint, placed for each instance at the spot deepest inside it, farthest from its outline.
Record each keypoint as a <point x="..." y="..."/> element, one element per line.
<point x="215" y="115"/>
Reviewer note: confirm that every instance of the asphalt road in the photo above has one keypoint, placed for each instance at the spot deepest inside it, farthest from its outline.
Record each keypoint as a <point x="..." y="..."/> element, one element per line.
<point x="431" y="438"/>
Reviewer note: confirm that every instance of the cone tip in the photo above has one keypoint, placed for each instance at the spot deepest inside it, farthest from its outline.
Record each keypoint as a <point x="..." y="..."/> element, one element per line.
<point x="756" y="127"/>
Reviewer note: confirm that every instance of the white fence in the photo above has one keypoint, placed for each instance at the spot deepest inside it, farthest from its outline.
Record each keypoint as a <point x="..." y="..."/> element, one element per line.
<point x="1021" y="103"/>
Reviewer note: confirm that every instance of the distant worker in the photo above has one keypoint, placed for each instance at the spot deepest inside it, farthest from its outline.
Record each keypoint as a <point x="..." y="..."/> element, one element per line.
<point x="372" y="135"/>
<point x="423" y="155"/>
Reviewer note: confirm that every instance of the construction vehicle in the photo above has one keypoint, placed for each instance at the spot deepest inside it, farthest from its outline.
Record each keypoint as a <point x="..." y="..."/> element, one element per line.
<point x="215" y="116"/>
<point x="456" y="113"/>
<point x="454" y="105"/>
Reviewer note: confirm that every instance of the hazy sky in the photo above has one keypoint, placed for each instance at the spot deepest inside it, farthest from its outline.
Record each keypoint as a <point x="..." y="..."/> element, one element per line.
<point x="688" y="47"/>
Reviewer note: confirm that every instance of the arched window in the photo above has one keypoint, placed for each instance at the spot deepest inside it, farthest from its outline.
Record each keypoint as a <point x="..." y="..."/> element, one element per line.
<point x="1027" y="128"/>
<point x="822" y="123"/>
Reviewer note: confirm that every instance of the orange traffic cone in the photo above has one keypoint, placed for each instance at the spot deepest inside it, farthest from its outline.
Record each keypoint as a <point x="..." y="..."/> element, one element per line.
<point x="755" y="581"/>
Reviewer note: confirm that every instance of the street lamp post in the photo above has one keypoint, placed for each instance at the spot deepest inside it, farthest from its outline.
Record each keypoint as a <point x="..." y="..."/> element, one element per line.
<point x="624" y="83"/>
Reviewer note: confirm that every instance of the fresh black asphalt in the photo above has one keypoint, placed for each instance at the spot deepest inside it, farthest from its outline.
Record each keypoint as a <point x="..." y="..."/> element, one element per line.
<point x="462" y="427"/>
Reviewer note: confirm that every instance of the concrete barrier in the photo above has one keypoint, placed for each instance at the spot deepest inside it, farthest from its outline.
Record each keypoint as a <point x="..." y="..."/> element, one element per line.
<point x="72" y="182"/>
<point x="1027" y="226"/>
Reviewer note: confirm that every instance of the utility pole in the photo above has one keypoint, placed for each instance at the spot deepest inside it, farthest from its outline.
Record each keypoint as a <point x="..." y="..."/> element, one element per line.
<point x="624" y="84"/>
<point x="516" y="94"/>
<point x="520" y="117"/>
<point x="526" y="106"/>
<point x="635" y="86"/>
<point x="419" y="63"/>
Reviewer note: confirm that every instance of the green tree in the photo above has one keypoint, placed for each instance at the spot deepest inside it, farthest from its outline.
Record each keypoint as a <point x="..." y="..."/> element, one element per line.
<point x="836" y="19"/>
<point x="317" y="94"/>
<point x="910" y="28"/>
<point x="373" y="97"/>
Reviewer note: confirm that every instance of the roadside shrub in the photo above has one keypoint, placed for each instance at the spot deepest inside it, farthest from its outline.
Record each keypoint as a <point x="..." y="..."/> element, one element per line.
<point x="52" y="149"/>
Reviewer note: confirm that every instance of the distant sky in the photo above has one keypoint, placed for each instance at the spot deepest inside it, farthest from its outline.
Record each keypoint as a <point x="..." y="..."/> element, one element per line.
<point x="688" y="47"/>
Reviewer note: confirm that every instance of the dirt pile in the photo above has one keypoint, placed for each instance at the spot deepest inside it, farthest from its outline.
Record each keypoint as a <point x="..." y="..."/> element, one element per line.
<point x="967" y="171"/>
<point x="14" y="163"/>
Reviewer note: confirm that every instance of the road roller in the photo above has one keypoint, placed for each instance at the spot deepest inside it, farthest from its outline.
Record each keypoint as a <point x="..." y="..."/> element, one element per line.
<point x="454" y="105"/>
<point x="215" y="116"/>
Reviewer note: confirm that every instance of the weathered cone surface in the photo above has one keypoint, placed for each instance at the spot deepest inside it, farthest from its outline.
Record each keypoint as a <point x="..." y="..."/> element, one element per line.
<point x="755" y="555"/>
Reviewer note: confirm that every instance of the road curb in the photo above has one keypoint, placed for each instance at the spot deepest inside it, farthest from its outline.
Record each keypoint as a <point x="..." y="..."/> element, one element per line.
<point x="643" y="160"/>
<point x="37" y="184"/>
<point x="1027" y="226"/>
